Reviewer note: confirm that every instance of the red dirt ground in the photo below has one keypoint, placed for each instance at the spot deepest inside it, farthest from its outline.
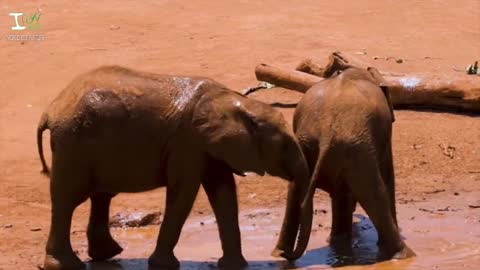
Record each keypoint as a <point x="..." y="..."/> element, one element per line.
<point x="225" y="41"/>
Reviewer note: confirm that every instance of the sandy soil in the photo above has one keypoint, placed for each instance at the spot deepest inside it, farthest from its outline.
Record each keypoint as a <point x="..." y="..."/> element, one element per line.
<point x="436" y="193"/>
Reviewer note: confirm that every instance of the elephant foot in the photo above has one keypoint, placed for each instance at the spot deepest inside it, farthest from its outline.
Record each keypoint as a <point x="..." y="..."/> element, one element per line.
<point x="404" y="253"/>
<point x="161" y="262"/>
<point x="398" y="252"/>
<point x="232" y="262"/>
<point x="63" y="262"/>
<point x="100" y="250"/>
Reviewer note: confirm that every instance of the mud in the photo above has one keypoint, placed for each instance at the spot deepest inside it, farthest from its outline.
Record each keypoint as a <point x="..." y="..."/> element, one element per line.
<point x="440" y="241"/>
<point x="225" y="41"/>
<point x="137" y="219"/>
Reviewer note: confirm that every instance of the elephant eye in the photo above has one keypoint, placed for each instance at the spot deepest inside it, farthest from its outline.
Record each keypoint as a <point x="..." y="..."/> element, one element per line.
<point x="251" y="124"/>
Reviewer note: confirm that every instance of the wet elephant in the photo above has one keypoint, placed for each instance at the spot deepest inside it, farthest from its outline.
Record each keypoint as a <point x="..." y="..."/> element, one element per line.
<point x="344" y="126"/>
<point x="118" y="130"/>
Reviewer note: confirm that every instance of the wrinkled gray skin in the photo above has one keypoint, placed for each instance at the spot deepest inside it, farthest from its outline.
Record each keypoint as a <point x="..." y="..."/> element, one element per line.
<point x="344" y="126"/>
<point x="117" y="130"/>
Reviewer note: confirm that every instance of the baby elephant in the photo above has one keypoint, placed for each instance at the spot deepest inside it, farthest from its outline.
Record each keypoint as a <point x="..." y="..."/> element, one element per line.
<point x="344" y="126"/>
<point x="118" y="130"/>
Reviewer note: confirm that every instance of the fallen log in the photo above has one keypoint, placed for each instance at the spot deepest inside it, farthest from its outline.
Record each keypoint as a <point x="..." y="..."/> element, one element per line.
<point x="336" y="61"/>
<point x="435" y="92"/>
<point x="293" y="80"/>
<point x="422" y="91"/>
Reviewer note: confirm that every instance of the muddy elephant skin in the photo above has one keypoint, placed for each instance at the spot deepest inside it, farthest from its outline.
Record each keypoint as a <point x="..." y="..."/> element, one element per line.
<point x="116" y="130"/>
<point x="344" y="127"/>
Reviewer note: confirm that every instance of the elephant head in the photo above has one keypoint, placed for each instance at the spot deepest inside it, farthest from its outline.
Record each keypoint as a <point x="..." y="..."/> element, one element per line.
<point x="250" y="136"/>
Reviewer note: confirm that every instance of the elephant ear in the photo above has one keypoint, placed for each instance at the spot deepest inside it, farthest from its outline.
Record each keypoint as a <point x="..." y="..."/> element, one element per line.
<point x="228" y="132"/>
<point x="386" y="91"/>
<point x="384" y="86"/>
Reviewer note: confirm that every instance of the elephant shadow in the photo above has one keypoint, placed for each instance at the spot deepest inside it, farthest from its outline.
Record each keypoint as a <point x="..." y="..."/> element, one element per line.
<point x="142" y="264"/>
<point x="362" y="251"/>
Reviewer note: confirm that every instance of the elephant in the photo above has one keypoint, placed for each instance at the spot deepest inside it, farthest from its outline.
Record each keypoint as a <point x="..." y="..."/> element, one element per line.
<point x="115" y="129"/>
<point x="344" y="127"/>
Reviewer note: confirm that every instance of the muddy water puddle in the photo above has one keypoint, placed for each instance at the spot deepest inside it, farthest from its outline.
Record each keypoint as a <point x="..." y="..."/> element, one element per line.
<point x="441" y="240"/>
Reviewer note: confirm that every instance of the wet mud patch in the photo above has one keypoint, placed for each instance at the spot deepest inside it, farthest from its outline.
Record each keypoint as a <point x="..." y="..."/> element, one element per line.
<point x="135" y="220"/>
<point x="447" y="241"/>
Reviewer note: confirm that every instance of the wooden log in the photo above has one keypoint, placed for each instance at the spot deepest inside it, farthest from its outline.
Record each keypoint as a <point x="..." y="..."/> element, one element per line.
<point x="426" y="91"/>
<point x="310" y="67"/>
<point x="290" y="79"/>
<point x="336" y="61"/>
<point x="459" y="93"/>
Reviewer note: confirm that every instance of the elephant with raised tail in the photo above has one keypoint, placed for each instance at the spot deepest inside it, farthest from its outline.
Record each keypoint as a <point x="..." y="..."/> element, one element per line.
<point x="116" y="130"/>
<point x="344" y="127"/>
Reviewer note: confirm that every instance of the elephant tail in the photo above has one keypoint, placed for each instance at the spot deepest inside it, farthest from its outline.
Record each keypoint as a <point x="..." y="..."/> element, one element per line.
<point x="42" y="126"/>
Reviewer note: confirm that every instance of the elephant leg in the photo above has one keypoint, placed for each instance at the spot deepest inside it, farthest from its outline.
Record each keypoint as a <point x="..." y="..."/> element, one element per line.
<point x="67" y="191"/>
<point x="219" y="185"/>
<point x="369" y="189"/>
<point x="388" y="176"/>
<point x="101" y="245"/>
<point x="343" y="206"/>
<point x="180" y="199"/>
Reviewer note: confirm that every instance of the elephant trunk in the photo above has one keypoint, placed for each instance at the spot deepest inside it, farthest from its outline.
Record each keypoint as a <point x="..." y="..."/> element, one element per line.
<point x="305" y="228"/>
<point x="298" y="216"/>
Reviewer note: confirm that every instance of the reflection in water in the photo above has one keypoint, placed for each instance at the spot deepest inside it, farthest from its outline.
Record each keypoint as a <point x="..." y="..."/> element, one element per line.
<point x="362" y="251"/>
<point x="443" y="242"/>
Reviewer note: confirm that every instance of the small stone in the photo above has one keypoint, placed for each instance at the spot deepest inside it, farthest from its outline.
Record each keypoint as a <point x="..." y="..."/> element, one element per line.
<point x="399" y="61"/>
<point x="8" y="226"/>
<point x="202" y="223"/>
<point x="35" y="229"/>
<point x="417" y="146"/>
<point x="456" y="193"/>
<point x="114" y="27"/>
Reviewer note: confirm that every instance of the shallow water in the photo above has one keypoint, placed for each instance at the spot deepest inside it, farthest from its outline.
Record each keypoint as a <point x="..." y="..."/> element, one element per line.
<point x="441" y="240"/>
